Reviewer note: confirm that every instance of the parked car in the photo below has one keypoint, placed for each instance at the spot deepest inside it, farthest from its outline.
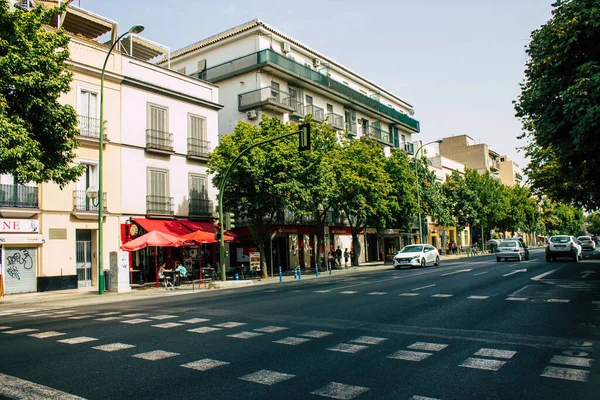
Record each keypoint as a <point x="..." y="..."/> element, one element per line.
<point x="563" y="246"/>
<point x="416" y="255"/>
<point x="512" y="248"/>
<point x="586" y="243"/>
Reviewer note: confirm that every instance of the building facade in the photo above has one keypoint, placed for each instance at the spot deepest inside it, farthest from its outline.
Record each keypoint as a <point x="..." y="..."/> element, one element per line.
<point x="510" y="172"/>
<point x="477" y="156"/>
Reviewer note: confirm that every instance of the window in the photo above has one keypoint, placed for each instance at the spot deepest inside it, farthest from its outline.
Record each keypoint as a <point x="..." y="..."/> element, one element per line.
<point x="202" y="65"/>
<point x="275" y="90"/>
<point x="89" y="124"/>
<point x="329" y="109"/>
<point x="196" y="127"/>
<point x="89" y="177"/>
<point x="309" y="100"/>
<point x="158" y="183"/>
<point x="198" y="187"/>
<point x="157" y="118"/>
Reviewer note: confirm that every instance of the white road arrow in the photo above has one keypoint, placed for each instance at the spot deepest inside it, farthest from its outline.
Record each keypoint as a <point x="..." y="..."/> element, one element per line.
<point x="516" y="271"/>
<point x="457" y="272"/>
<point x="585" y="274"/>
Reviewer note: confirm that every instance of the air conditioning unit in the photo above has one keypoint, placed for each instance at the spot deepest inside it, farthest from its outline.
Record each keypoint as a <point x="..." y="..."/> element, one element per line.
<point x="286" y="48"/>
<point x="316" y="63"/>
<point x="252" y="114"/>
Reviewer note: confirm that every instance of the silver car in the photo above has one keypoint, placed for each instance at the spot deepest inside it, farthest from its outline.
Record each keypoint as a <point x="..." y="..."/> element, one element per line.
<point x="512" y="249"/>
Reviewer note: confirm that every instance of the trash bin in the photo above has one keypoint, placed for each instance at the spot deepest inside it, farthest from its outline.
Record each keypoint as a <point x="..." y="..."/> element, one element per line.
<point x="107" y="282"/>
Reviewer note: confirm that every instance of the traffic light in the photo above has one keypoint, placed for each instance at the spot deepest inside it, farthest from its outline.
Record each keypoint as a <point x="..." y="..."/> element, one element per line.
<point x="229" y="221"/>
<point x="304" y="137"/>
<point x="217" y="231"/>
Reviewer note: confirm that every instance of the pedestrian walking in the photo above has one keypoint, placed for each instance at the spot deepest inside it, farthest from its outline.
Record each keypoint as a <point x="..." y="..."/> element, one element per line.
<point x="338" y="256"/>
<point x="346" y="257"/>
<point x="331" y="260"/>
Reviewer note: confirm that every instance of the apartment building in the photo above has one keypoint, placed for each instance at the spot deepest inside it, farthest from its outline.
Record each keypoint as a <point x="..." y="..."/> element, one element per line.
<point x="261" y="70"/>
<point x="510" y="172"/>
<point x="159" y="127"/>
<point x="477" y="156"/>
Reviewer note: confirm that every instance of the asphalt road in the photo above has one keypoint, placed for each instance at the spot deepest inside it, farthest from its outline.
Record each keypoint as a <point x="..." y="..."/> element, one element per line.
<point x="469" y="329"/>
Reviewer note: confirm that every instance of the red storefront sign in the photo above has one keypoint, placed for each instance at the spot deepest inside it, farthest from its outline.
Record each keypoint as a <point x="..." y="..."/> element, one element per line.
<point x="342" y="230"/>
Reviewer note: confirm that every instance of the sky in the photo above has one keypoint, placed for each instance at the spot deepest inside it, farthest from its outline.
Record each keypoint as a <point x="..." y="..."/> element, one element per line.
<point x="459" y="63"/>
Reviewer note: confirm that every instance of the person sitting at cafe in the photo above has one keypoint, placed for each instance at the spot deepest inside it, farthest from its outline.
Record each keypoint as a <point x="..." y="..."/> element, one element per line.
<point x="162" y="275"/>
<point x="181" y="272"/>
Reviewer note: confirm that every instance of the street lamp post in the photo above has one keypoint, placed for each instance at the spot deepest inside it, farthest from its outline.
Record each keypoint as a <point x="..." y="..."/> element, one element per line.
<point x="419" y="187"/>
<point x="134" y="29"/>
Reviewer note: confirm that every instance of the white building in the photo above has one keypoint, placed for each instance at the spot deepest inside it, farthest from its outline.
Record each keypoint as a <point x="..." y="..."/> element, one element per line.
<point x="261" y="70"/>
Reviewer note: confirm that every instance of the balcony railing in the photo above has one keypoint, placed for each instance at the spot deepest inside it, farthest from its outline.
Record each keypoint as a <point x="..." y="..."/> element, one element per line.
<point x="159" y="140"/>
<point x="351" y="128"/>
<point x="298" y="107"/>
<point x="89" y="127"/>
<point x="317" y="112"/>
<point x="266" y="96"/>
<point x="409" y="148"/>
<point x="159" y="205"/>
<point x="18" y="196"/>
<point x="269" y="57"/>
<point x="381" y="135"/>
<point x="198" y="148"/>
<point x="336" y="121"/>
<point x="519" y="177"/>
<point x="82" y="203"/>
<point x="200" y="208"/>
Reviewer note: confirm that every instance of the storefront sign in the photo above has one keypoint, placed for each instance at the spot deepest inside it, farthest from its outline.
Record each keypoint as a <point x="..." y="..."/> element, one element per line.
<point x="15" y="238"/>
<point x="19" y="225"/>
<point x="293" y="230"/>
<point x="389" y="232"/>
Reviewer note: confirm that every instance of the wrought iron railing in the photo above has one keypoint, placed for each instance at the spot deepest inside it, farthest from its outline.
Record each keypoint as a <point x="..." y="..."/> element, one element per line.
<point x="18" y="196"/>
<point x="159" y="140"/>
<point x="82" y="203"/>
<point x="335" y="120"/>
<point x="264" y="57"/>
<point x="198" y="147"/>
<point x="159" y="205"/>
<point x="200" y="207"/>
<point x="89" y="127"/>
<point x="316" y="111"/>
<point x="380" y="134"/>
<point x="259" y="97"/>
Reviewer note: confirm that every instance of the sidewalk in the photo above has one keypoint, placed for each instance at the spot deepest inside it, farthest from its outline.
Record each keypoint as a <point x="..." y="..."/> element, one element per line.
<point x="89" y="296"/>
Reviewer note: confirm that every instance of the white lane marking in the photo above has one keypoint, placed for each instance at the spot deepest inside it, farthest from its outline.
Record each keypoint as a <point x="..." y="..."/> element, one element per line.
<point x="15" y="388"/>
<point x="44" y="335"/>
<point x="478" y="297"/>
<point x="64" y="312"/>
<point x="369" y="340"/>
<point x="322" y="291"/>
<point x="315" y="334"/>
<point x="569" y="374"/>
<point x="115" y="318"/>
<point x="573" y="361"/>
<point x="442" y="295"/>
<point x="134" y="315"/>
<point x="204" y="329"/>
<point x="78" y="340"/>
<point x="292" y="341"/>
<point x="155" y="355"/>
<point x="106" y="314"/>
<point x="480" y="273"/>
<point x="517" y="298"/>
<point x="495" y="353"/>
<point x="205" y="364"/>
<point x="161" y="317"/>
<point x="557" y="301"/>
<point x="347" y="348"/>
<point x="39" y="315"/>
<point x="422" y="398"/>
<point x="230" y="324"/>
<point x="349" y="292"/>
<point x="271" y="329"/>
<point x="377" y="293"/>
<point x="136" y="321"/>
<point x="340" y="391"/>
<point x="167" y="325"/>
<point x="537" y="278"/>
<point x="409" y="355"/>
<point x="246" y="335"/>
<point x="266" y="377"/>
<point x="195" y="320"/>
<point x="408" y="294"/>
<point x="423" y="287"/>
<point x="480" y="363"/>
<point x="81" y="317"/>
<point x="427" y="346"/>
<point x="17" y="331"/>
<point x="5" y="327"/>
<point x="457" y="272"/>
<point x="113" y="347"/>
<point x="516" y="271"/>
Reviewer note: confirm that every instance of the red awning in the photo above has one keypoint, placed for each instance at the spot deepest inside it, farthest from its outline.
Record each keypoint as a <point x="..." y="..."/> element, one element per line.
<point x="205" y="226"/>
<point x="170" y="226"/>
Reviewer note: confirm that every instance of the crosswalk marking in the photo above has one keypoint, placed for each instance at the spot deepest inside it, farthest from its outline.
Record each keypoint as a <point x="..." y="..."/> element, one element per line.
<point x="409" y="294"/>
<point x="246" y="335"/>
<point x="573" y="361"/>
<point x="81" y="316"/>
<point x="427" y="346"/>
<point x="377" y="293"/>
<point x="113" y="318"/>
<point x="167" y="325"/>
<point x="15" y="388"/>
<point x="422" y="398"/>
<point x="409" y="355"/>
<point x="517" y="298"/>
<point x="442" y="295"/>
<point x="135" y="315"/>
<point x="113" y="347"/>
<point x="136" y="321"/>
<point x="161" y="317"/>
<point x="204" y="364"/>
<point x="315" y="334"/>
<point x="47" y="334"/>
<point x="195" y="320"/>
<point x="17" y="331"/>
<point x="349" y="292"/>
<point x="2" y="328"/>
<point x="347" y="348"/>
<point x="230" y="324"/>
<point x="271" y="329"/>
<point x="78" y="340"/>
<point x="204" y="329"/>
<point x="480" y="363"/>
<point x="292" y="341"/>
<point x="266" y="377"/>
<point x="340" y="391"/>
<point x="570" y="374"/>
<point x="495" y="353"/>
<point x="478" y="297"/>
<point x="155" y="355"/>
<point x="557" y="301"/>
<point x="368" y="340"/>
<point x="106" y="314"/>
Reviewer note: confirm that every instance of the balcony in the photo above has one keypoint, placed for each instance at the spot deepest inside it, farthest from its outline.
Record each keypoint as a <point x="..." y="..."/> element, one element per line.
<point x="351" y="128"/>
<point x="518" y="177"/>
<point x="269" y="58"/>
<point x="198" y="149"/>
<point x="200" y="208"/>
<point x="84" y="208"/>
<point x="18" y="201"/>
<point x="266" y="97"/>
<point x="408" y="148"/>
<point x="89" y="127"/>
<point x="336" y="121"/>
<point x="317" y="112"/>
<point x="159" y="141"/>
<point x="380" y="135"/>
<point x="298" y="108"/>
<point x="159" y="205"/>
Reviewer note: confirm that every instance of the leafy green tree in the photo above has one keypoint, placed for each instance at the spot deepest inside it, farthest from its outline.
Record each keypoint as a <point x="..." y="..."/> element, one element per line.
<point x="559" y="104"/>
<point x="38" y="135"/>
<point x="490" y="203"/>
<point x="562" y="219"/>
<point x="433" y="200"/>
<point x="462" y="200"/>
<point x="593" y="221"/>
<point x="403" y="200"/>
<point x="363" y="188"/>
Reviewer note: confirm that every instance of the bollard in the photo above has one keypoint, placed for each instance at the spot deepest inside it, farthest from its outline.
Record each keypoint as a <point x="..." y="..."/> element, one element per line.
<point x="299" y="273"/>
<point x="295" y="275"/>
<point x="280" y="274"/>
<point x="237" y="277"/>
<point x="317" y="270"/>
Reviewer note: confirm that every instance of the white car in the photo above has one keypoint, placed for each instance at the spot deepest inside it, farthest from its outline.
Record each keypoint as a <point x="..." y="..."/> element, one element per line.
<point x="563" y="246"/>
<point x="586" y="243"/>
<point x="417" y="255"/>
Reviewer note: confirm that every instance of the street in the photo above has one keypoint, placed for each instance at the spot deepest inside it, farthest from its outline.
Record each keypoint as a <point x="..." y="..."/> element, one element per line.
<point x="469" y="329"/>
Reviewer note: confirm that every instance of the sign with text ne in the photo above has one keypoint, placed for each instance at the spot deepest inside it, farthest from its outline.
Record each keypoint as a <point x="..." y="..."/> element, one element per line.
<point x="19" y="225"/>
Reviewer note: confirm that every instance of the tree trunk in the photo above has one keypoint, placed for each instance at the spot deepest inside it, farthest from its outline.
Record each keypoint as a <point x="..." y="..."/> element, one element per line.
<point x="356" y="249"/>
<point x="263" y="264"/>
